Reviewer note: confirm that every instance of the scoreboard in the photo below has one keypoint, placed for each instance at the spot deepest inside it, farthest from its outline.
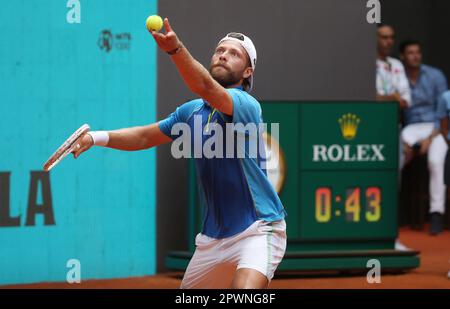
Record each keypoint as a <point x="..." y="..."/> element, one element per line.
<point x="335" y="168"/>
<point x="344" y="168"/>
<point x="340" y="182"/>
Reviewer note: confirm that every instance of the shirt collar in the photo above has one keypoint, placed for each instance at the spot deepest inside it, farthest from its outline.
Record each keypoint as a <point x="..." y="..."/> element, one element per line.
<point x="422" y="69"/>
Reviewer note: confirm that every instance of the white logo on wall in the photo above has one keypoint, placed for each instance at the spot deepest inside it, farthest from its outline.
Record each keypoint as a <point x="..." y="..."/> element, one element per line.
<point x="74" y="273"/>
<point x="374" y="274"/>
<point x="74" y="14"/>
<point x="374" y="14"/>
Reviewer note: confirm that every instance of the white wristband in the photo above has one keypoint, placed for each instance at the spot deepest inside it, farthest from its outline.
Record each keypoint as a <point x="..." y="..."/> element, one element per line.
<point x="100" y="138"/>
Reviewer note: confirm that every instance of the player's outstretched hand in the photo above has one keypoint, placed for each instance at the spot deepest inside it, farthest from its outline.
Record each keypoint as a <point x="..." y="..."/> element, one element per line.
<point x="168" y="41"/>
<point x="84" y="144"/>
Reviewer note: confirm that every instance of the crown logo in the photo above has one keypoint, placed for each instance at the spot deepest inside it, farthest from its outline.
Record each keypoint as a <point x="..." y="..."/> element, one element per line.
<point x="349" y="125"/>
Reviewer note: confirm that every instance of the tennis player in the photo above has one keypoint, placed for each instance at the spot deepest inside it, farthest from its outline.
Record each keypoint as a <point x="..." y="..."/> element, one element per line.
<point x="243" y="239"/>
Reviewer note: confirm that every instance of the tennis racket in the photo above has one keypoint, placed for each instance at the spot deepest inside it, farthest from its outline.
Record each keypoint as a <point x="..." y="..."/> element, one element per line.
<point x="67" y="147"/>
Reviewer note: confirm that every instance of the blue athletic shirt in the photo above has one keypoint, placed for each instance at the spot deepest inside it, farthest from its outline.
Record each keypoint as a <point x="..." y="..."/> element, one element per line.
<point x="235" y="192"/>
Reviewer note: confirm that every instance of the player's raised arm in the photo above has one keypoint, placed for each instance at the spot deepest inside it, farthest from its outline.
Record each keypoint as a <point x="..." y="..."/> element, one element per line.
<point x="196" y="77"/>
<point x="129" y="139"/>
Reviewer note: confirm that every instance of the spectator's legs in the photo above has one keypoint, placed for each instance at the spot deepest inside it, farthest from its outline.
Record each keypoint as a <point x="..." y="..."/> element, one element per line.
<point x="436" y="160"/>
<point x="411" y="135"/>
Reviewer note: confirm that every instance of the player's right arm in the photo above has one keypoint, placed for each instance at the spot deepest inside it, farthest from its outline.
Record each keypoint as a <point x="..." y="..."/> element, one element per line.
<point x="128" y="139"/>
<point x="195" y="76"/>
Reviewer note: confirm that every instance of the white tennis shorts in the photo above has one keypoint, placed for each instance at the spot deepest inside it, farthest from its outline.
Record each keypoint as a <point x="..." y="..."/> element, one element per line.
<point x="261" y="247"/>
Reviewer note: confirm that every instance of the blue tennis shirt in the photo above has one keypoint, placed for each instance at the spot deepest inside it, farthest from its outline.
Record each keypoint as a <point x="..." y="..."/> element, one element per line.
<point x="236" y="191"/>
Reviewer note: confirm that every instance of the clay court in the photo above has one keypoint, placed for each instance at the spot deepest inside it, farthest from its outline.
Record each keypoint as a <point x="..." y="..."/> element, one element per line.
<point x="432" y="273"/>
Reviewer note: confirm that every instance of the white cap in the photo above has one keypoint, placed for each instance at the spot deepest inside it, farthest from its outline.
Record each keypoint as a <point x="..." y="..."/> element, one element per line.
<point x="247" y="44"/>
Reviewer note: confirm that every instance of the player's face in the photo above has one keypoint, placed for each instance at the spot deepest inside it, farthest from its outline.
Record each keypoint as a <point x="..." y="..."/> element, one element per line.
<point x="412" y="56"/>
<point x="386" y="38"/>
<point x="229" y="64"/>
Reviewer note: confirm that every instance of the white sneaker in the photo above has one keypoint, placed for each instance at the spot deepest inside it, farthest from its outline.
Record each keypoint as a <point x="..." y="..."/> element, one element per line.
<point x="401" y="247"/>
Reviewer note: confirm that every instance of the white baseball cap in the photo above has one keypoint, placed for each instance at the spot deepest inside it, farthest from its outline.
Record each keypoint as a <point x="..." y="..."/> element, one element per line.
<point x="247" y="44"/>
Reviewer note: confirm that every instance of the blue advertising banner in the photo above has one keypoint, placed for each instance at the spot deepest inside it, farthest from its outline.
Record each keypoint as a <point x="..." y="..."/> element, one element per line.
<point x="62" y="64"/>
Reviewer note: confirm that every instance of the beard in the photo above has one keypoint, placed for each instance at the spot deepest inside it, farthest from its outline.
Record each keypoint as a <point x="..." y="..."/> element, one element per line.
<point x="224" y="76"/>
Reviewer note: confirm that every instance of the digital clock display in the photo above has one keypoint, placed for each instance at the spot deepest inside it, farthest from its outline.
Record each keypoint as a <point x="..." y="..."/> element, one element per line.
<point x="355" y="206"/>
<point x="343" y="205"/>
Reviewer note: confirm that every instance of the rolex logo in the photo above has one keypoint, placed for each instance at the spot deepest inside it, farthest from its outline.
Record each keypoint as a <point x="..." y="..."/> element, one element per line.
<point x="349" y="152"/>
<point x="349" y="125"/>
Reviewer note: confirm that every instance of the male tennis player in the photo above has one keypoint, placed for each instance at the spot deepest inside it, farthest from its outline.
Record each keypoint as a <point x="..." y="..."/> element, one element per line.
<point x="244" y="233"/>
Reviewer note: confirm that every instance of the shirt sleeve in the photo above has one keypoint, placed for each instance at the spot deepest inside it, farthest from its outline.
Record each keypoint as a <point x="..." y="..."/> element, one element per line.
<point x="403" y="85"/>
<point x="443" y="103"/>
<point x="247" y="114"/>
<point x="245" y="108"/>
<point x="441" y="83"/>
<point x="180" y="115"/>
<point x="379" y="79"/>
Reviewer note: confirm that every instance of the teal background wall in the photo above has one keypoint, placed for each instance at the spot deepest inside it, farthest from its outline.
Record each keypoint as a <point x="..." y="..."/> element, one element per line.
<point x="55" y="76"/>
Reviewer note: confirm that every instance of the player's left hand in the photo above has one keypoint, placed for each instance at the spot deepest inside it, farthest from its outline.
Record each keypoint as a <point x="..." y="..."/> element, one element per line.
<point x="168" y="41"/>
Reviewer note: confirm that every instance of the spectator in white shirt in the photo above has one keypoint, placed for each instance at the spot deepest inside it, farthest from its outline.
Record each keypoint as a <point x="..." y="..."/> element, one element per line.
<point x="391" y="81"/>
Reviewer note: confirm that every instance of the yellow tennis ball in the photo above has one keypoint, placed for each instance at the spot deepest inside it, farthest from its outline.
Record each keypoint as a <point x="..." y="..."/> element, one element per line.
<point x="154" y="23"/>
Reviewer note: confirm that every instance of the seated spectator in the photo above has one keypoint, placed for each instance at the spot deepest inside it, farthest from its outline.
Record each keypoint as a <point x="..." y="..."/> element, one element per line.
<point x="422" y="128"/>
<point x="391" y="82"/>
